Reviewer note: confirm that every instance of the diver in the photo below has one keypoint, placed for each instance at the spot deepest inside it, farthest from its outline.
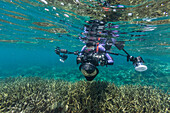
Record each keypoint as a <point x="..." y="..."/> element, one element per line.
<point x="92" y="56"/>
<point x="97" y="49"/>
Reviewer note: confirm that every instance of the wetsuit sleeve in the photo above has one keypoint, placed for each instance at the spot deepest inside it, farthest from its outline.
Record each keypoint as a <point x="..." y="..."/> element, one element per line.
<point x="109" y="58"/>
<point x="101" y="48"/>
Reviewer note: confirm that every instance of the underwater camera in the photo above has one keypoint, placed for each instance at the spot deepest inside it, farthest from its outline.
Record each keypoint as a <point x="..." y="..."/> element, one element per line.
<point x="89" y="71"/>
<point x="89" y="65"/>
<point x="139" y="64"/>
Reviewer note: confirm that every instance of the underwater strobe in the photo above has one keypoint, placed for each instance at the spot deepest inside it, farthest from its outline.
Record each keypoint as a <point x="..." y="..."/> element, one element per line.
<point x="139" y="64"/>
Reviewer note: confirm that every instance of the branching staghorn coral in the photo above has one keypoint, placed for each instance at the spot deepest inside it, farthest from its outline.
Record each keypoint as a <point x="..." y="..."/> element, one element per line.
<point x="34" y="94"/>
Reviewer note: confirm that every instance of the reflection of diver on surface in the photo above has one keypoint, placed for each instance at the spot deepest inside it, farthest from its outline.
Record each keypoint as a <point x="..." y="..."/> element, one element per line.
<point x="97" y="49"/>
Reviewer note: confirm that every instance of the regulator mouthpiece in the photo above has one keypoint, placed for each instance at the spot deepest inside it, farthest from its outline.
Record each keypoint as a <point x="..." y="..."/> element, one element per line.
<point x="139" y="64"/>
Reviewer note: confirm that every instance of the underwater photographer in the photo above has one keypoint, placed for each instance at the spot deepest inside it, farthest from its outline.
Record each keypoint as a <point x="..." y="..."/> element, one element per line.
<point x="89" y="61"/>
<point x="96" y="51"/>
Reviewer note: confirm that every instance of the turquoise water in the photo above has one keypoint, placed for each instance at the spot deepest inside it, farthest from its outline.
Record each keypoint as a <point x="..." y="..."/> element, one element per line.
<point x="30" y="30"/>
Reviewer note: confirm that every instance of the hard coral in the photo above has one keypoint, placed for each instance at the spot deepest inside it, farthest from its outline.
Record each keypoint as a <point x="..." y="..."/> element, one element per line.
<point x="34" y="94"/>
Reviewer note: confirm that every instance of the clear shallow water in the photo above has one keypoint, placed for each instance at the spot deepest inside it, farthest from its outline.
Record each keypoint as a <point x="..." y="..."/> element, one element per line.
<point x="30" y="31"/>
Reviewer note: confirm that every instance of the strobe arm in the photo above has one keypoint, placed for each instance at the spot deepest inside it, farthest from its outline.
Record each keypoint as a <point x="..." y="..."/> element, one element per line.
<point x="120" y="45"/>
<point x="64" y="51"/>
<point x="138" y="62"/>
<point x="129" y="58"/>
<point x="116" y="54"/>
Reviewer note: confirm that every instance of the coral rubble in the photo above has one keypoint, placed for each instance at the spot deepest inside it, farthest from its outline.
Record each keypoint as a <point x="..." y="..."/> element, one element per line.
<point x="34" y="94"/>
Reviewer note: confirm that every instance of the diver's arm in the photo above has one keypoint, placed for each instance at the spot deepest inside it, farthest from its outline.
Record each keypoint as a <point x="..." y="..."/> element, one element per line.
<point x="82" y="50"/>
<point x="109" y="58"/>
<point x="101" y="48"/>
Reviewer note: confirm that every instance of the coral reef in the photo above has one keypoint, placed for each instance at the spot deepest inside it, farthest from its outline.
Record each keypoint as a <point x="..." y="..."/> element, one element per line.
<point x="34" y="94"/>
<point x="131" y="10"/>
<point x="157" y="74"/>
<point x="137" y="8"/>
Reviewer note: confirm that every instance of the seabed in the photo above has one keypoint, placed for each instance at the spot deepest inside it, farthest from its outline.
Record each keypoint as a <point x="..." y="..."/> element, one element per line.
<point x="35" y="95"/>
